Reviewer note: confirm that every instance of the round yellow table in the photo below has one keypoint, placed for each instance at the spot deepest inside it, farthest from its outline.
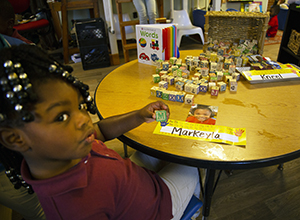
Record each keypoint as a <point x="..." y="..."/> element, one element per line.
<point x="268" y="111"/>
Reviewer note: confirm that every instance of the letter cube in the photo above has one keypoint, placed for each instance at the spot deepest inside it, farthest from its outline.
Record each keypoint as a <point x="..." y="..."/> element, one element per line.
<point x="153" y="90"/>
<point x="214" y="91"/>
<point x="165" y="95"/>
<point x="161" y="115"/>
<point x="233" y="85"/>
<point x="170" y="80"/>
<point x="159" y="93"/>
<point x="213" y="66"/>
<point x="165" y="66"/>
<point x="172" y="96"/>
<point x="195" y="89"/>
<point x="222" y="86"/>
<point x="163" y="84"/>
<point x="156" y="78"/>
<point x="179" y="85"/>
<point x="173" y="60"/>
<point x="188" y="87"/>
<point x="180" y="96"/>
<point x="203" y="87"/>
<point x="236" y="76"/>
<point x="210" y="85"/>
<point x="189" y="99"/>
<point x="231" y="69"/>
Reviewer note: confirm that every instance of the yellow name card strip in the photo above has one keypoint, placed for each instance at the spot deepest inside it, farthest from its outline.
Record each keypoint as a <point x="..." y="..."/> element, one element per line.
<point x="211" y="133"/>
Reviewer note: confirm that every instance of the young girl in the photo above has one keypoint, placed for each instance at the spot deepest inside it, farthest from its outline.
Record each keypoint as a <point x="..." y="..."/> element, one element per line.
<point x="201" y="114"/>
<point x="44" y="118"/>
<point x="273" y="22"/>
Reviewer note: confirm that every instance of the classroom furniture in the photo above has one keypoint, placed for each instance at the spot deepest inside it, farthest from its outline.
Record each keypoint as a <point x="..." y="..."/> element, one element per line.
<point x="285" y="55"/>
<point x="194" y="205"/>
<point x="265" y="110"/>
<point x="21" y="7"/>
<point x="129" y="45"/>
<point x="184" y="26"/>
<point x="68" y="5"/>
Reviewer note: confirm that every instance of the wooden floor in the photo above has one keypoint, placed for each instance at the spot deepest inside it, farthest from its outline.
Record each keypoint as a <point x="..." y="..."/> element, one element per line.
<point x="258" y="194"/>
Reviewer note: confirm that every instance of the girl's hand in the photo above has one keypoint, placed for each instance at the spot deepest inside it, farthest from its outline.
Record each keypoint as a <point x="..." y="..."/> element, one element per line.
<point x="148" y="112"/>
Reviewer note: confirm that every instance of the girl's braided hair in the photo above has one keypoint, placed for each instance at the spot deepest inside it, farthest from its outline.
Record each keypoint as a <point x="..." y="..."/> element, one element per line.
<point x="22" y="68"/>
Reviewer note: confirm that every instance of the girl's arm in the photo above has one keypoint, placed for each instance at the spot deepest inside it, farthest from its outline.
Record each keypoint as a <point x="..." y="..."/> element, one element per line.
<point x="112" y="127"/>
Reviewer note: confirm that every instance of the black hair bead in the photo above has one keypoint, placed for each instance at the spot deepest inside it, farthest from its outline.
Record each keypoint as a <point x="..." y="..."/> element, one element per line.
<point x="8" y="64"/>
<point x="70" y="78"/>
<point x="3" y="81"/>
<point x="52" y="68"/>
<point x="23" y="76"/>
<point x="59" y="70"/>
<point x="65" y="74"/>
<point x="17" y="65"/>
<point x="18" y="107"/>
<point x="10" y="95"/>
<point x="27" y="117"/>
<point x="85" y="94"/>
<point x="28" y="86"/>
<point x="17" y="88"/>
<point x="12" y="76"/>
<point x="89" y="99"/>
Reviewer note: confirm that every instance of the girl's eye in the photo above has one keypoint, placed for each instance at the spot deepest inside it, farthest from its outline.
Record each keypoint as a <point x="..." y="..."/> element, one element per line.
<point x="63" y="117"/>
<point x="82" y="106"/>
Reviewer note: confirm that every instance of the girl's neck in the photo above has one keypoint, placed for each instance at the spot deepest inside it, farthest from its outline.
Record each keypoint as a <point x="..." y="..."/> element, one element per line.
<point x="42" y="170"/>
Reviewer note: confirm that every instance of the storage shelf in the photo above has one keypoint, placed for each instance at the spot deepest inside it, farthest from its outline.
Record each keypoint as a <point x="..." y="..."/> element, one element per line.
<point x="285" y="55"/>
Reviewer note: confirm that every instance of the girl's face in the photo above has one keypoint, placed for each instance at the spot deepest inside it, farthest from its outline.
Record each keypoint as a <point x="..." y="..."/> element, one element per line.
<point x="202" y="114"/>
<point x="61" y="131"/>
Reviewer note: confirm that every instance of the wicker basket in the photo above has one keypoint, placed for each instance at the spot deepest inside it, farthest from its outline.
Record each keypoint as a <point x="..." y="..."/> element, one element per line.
<point x="233" y="26"/>
<point x="294" y="42"/>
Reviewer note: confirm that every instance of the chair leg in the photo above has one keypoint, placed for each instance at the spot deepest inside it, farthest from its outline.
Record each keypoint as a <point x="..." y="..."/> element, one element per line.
<point x="125" y="150"/>
<point x="179" y="36"/>
<point x="201" y="36"/>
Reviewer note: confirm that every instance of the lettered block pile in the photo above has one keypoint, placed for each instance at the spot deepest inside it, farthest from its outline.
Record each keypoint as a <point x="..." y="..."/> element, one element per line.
<point x="209" y="72"/>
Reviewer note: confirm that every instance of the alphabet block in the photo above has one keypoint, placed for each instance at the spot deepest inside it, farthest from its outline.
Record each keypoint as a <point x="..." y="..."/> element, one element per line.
<point x="156" y="78"/>
<point x="189" y="99"/>
<point x="163" y="84"/>
<point x="180" y="96"/>
<point x="214" y="91"/>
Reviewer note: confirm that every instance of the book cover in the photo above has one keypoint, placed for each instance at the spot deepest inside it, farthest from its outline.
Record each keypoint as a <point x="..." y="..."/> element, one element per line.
<point x="154" y="42"/>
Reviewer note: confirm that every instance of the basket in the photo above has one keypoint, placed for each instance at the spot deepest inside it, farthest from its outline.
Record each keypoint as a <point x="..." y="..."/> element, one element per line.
<point x="90" y="32"/>
<point x="235" y="26"/>
<point x="93" y="57"/>
<point x="294" y="42"/>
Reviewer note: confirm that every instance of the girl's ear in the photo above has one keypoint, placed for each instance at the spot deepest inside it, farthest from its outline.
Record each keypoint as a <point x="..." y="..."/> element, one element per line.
<point x="12" y="139"/>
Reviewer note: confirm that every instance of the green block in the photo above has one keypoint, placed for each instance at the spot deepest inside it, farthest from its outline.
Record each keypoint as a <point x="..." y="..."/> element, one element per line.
<point x="161" y="115"/>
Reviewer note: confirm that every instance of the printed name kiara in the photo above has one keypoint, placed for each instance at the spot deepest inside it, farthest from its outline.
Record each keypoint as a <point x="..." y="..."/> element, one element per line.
<point x="269" y="77"/>
<point x="147" y="34"/>
<point x="195" y="133"/>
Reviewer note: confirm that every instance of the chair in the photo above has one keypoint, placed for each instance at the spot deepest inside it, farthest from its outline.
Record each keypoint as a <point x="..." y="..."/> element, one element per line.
<point x="184" y="26"/>
<point x="194" y="205"/>
<point x="22" y="6"/>
<point x="69" y="5"/>
<point x="129" y="46"/>
<point x="129" y="30"/>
